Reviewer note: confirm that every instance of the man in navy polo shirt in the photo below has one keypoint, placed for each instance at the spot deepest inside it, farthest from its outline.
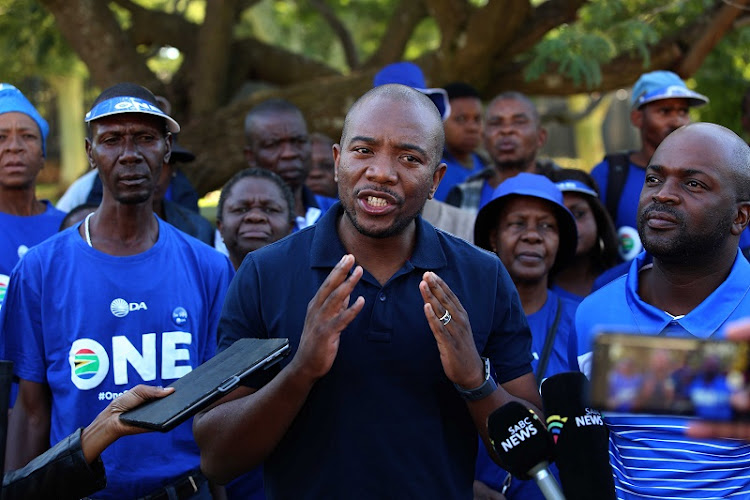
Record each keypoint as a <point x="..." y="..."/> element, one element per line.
<point x="691" y="281"/>
<point x="386" y="389"/>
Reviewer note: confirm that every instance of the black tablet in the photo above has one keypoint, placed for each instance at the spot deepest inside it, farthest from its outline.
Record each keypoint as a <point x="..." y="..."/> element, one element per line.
<point x="207" y="383"/>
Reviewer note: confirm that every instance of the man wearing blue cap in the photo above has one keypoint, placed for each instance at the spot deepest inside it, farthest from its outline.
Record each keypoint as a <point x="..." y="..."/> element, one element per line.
<point x="24" y="220"/>
<point x="660" y="102"/>
<point x="120" y="299"/>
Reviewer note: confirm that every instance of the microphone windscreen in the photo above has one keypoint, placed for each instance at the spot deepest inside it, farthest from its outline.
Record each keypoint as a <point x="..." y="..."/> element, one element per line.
<point x="519" y="439"/>
<point x="580" y="436"/>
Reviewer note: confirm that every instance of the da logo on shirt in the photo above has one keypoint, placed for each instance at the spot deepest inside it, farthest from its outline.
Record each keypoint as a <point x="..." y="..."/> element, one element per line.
<point x="629" y="243"/>
<point x="89" y="363"/>
<point x="121" y="307"/>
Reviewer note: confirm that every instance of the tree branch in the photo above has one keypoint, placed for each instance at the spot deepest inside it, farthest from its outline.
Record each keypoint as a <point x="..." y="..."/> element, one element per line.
<point x="564" y="116"/>
<point x="254" y="60"/>
<point x="350" y="51"/>
<point x="108" y="52"/>
<point x="719" y="25"/>
<point x="406" y="16"/>
<point x="214" y="42"/>
<point x="451" y="17"/>
<point x="156" y="27"/>
<point x="488" y="31"/>
<point x="544" y="18"/>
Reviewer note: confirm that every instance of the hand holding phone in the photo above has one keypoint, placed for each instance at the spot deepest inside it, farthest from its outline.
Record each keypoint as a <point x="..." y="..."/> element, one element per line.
<point x="707" y="379"/>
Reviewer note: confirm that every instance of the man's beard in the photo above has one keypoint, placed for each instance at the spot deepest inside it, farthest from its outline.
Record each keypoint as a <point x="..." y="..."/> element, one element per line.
<point x="398" y="226"/>
<point x="684" y="245"/>
<point x="517" y="164"/>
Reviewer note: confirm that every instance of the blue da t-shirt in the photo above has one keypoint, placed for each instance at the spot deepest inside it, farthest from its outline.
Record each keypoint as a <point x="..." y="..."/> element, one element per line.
<point x="92" y="325"/>
<point x="19" y="233"/>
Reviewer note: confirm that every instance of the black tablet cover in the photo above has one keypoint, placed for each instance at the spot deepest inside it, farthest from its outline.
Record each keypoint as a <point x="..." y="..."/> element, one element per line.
<point x="207" y="383"/>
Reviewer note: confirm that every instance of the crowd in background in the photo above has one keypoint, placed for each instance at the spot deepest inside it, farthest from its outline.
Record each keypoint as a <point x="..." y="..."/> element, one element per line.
<point x="570" y="244"/>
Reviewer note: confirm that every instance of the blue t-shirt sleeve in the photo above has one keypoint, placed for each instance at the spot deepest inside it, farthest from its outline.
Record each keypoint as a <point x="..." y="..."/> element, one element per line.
<point x="21" y="329"/>
<point x="509" y="343"/>
<point x="240" y="316"/>
<point x="600" y="173"/>
<point x="225" y="273"/>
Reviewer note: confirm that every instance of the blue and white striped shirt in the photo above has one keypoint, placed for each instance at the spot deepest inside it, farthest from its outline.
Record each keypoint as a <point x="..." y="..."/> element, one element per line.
<point x="651" y="456"/>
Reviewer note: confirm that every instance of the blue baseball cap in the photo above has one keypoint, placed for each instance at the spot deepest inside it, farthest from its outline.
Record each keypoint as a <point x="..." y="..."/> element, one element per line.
<point x="658" y="85"/>
<point x="535" y="186"/>
<point x="571" y="186"/>
<point x="409" y="74"/>
<point x="129" y="98"/>
<point x="12" y="100"/>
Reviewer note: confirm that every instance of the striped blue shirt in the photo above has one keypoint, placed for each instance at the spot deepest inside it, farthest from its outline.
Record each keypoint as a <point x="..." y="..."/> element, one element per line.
<point x="651" y="456"/>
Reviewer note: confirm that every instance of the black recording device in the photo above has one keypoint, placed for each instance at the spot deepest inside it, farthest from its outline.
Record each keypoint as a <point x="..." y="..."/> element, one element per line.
<point x="580" y="436"/>
<point x="523" y="446"/>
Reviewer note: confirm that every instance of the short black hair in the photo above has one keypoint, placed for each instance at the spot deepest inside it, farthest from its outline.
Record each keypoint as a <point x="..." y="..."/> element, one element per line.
<point x="456" y="90"/>
<point x="72" y="217"/>
<point x="127" y="89"/>
<point x="256" y="173"/>
<point x="513" y="95"/>
<point x="403" y="93"/>
<point x="267" y="107"/>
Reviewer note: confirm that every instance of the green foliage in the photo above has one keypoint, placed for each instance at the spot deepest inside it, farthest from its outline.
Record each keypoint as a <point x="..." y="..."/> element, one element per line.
<point x="32" y="44"/>
<point x="606" y="29"/>
<point x="724" y="77"/>
<point x="299" y="27"/>
<point x="577" y="53"/>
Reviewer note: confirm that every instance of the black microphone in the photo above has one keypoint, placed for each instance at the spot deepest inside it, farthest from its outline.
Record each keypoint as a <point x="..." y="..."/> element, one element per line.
<point x="523" y="446"/>
<point x="581" y="438"/>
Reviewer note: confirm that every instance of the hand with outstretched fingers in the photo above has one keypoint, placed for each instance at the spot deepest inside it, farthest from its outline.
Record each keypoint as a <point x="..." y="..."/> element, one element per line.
<point x="450" y="326"/>
<point x="328" y="313"/>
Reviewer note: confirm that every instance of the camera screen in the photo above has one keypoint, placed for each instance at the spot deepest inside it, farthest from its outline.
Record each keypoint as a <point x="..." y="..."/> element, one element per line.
<point x="679" y="376"/>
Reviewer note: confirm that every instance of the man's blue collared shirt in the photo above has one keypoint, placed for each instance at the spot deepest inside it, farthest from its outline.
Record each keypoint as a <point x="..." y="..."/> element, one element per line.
<point x="650" y="455"/>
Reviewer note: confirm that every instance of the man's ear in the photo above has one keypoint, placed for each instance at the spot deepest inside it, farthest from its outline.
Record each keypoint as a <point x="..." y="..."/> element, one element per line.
<point x="636" y="118"/>
<point x="742" y="218"/>
<point x="541" y="136"/>
<point x="92" y="163"/>
<point x="168" y="154"/>
<point x="437" y="176"/>
<point x="336" y="157"/>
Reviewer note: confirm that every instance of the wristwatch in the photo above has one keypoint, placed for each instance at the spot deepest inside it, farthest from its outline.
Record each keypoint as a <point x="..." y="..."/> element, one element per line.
<point x="484" y="390"/>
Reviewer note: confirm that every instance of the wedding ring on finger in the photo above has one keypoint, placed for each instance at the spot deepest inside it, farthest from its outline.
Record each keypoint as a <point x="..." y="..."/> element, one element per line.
<point x="445" y="318"/>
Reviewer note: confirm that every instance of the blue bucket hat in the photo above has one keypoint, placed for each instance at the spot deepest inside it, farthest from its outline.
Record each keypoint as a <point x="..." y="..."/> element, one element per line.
<point x="536" y="186"/>
<point x="658" y="85"/>
<point x="12" y="100"/>
<point x="129" y="98"/>
<point x="411" y="75"/>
